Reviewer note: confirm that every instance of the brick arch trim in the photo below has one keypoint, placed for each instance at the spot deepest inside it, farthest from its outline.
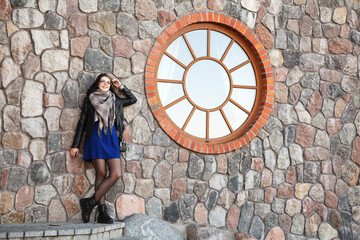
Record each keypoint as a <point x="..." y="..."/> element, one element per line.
<point x="267" y="81"/>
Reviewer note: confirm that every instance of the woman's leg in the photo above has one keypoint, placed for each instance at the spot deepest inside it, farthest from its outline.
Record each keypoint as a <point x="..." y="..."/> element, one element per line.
<point x="100" y="170"/>
<point x="114" y="174"/>
<point x="88" y="204"/>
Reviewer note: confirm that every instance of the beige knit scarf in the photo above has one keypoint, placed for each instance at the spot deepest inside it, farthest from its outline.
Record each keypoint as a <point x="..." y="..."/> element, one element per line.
<point x="104" y="104"/>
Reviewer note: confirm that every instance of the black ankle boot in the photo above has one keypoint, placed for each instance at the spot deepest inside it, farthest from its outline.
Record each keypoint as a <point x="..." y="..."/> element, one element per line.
<point x="103" y="215"/>
<point x="87" y="205"/>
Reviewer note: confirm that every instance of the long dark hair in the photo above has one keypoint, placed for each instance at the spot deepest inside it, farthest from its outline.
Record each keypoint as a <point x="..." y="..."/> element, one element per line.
<point x="95" y="84"/>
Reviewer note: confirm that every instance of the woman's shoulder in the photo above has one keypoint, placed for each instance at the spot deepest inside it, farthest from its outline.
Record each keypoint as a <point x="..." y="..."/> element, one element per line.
<point x="117" y="95"/>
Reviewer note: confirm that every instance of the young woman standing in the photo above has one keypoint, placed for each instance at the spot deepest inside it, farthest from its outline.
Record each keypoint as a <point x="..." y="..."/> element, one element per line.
<point x="101" y="117"/>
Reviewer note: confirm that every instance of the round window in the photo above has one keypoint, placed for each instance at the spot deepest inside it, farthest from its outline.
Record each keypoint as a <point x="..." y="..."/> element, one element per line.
<point x="206" y="83"/>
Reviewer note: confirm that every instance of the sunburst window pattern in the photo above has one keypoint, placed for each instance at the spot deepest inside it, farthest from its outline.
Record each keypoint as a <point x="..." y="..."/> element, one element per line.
<point x="206" y="84"/>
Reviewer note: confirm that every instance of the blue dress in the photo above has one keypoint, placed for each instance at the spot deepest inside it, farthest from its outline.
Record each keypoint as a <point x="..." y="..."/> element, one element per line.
<point x="104" y="147"/>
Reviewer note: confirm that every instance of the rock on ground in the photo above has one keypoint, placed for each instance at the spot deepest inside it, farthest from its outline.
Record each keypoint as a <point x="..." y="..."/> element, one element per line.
<point x="203" y="232"/>
<point x="140" y="225"/>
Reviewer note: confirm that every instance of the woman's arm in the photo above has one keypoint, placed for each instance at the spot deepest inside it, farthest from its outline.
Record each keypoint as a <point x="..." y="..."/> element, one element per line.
<point x="130" y="98"/>
<point x="81" y="125"/>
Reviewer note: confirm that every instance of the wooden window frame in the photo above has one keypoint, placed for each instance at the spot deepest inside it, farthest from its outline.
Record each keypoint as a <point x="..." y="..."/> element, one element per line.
<point x="239" y="33"/>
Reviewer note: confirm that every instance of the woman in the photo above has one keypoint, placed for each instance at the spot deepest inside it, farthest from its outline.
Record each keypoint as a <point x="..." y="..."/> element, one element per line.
<point x="101" y="116"/>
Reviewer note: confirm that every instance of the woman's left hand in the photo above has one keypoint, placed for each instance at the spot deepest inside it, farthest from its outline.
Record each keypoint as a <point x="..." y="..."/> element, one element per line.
<point x="115" y="82"/>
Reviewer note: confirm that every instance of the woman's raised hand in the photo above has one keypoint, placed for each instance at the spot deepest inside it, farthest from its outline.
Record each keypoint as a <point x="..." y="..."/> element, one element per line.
<point x="115" y="81"/>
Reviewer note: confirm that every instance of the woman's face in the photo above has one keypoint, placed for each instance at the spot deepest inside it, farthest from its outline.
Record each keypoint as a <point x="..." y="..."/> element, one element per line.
<point x="104" y="84"/>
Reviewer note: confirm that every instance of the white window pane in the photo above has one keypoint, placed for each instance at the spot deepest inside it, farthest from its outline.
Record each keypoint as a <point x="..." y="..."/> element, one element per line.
<point x="197" y="124"/>
<point x="235" y="56"/>
<point x="207" y="84"/>
<point x="244" y="97"/>
<point x="180" y="51"/>
<point x="217" y="125"/>
<point x="235" y="115"/>
<point x="218" y="44"/>
<point x="169" y="92"/>
<point x="180" y="112"/>
<point x="169" y="69"/>
<point x="198" y="42"/>
<point x="244" y="76"/>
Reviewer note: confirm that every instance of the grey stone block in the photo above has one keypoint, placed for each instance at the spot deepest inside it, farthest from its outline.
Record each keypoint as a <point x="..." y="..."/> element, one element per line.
<point x="66" y="232"/>
<point x="15" y="234"/>
<point x="83" y="231"/>
<point x="34" y="233"/>
<point x="50" y="233"/>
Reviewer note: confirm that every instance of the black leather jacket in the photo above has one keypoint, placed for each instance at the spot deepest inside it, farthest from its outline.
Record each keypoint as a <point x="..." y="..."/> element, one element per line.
<point x="87" y="117"/>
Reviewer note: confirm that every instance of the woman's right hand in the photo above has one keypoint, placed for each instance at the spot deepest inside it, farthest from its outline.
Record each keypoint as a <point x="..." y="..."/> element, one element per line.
<point x="74" y="152"/>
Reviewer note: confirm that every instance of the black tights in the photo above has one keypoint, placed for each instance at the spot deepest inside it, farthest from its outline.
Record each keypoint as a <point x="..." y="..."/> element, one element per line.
<point x="103" y="183"/>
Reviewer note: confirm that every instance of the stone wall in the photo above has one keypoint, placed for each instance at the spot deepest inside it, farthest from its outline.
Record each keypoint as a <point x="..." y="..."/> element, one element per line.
<point x="300" y="173"/>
